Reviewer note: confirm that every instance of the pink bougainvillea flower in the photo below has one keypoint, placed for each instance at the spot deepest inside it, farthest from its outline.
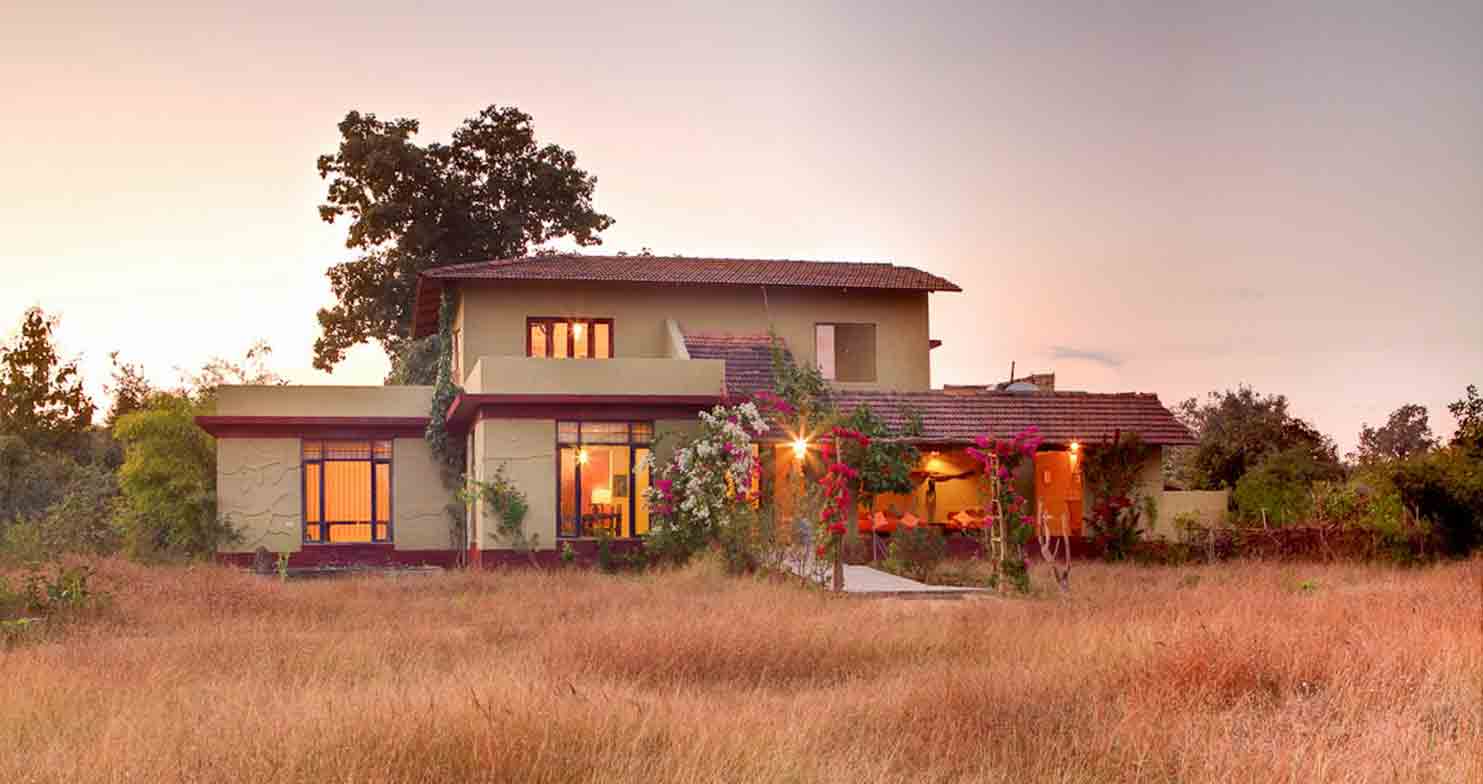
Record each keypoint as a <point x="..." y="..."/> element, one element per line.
<point x="836" y="528"/>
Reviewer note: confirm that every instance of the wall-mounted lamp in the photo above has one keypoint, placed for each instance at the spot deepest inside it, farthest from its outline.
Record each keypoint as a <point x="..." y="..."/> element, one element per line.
<point x="1075" y="447"/>
<point x="581" y="457"/>
<point x="800" y="448"/>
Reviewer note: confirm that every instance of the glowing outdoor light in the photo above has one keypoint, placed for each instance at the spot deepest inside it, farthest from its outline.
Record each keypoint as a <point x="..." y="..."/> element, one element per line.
<point x="1075" y="447"/>
<point x="582" y="457"/>
<point x="800" y="447"/>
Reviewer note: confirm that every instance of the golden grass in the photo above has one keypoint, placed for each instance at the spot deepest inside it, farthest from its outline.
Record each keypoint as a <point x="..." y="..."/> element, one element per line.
<point x="1229" y="673"/>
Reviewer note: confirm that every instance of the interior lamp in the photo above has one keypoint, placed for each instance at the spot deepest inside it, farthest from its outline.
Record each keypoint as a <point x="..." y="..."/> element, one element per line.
<point x="581" y="457"/>
<point x="601" y="496"/>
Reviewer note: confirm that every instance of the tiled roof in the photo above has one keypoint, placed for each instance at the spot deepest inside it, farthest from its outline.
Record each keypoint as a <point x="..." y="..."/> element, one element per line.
<point x="1061" y="417"/>
<point x="675" y="271"/>
<point x="748" y="360"/>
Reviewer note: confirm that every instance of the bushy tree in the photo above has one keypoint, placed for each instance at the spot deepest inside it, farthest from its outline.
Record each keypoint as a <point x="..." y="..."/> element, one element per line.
<point x="1469" y="414"/>
<point x="31" y="479"/>
<point x="79" y="521"/>
<point x="168" y="480"/>
<point x="492" y="192"/>
<point x="1404" y="434"/>
<point x="1239" y="429"/>
<point x="129" y="390"/>
<point x="1282" y="486"/>
<point x="1445" y="488"/>
<point x="42" y="401"/>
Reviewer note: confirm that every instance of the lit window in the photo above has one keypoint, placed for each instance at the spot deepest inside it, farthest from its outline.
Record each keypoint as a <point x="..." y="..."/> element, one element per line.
<point x="569" y="338"/>
<point x="347" y="491"/>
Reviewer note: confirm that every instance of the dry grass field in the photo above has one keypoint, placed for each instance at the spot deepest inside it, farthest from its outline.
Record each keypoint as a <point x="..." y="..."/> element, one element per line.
<point x="1233" y="673"/>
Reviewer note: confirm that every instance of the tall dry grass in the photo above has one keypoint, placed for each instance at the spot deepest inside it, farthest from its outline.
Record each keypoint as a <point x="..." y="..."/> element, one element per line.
<point x="1227" y="673"/>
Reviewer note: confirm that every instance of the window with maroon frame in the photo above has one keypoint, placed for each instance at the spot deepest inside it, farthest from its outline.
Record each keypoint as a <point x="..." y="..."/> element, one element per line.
<point x="569" y="338"/>
<point x="346" y="491"/>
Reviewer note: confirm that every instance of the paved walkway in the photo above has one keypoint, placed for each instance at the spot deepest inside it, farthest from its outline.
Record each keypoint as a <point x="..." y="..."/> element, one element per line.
<point x="869" y="581"/>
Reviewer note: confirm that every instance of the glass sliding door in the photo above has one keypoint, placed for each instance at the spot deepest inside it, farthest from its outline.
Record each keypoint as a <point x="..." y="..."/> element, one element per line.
<point x="600" y="485"/>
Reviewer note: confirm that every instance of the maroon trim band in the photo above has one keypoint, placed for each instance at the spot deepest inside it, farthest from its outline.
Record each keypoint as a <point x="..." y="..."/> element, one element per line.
<point x="467" y="408"/>
<point x="312" y="427"/>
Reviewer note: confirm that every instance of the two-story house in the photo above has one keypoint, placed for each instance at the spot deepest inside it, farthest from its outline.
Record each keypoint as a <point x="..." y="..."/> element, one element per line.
<point x="573" y="367"/>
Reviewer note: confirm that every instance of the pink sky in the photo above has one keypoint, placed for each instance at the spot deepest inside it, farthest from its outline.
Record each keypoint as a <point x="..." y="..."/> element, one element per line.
<point x="1155" y="198"/>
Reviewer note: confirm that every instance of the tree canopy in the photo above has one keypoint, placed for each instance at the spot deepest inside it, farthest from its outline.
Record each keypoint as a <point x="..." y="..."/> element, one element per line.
<point x="1237" y="430"/>
<point x="42" y="401"/>
<point x="1469" y="413"/>
<point x="1404" y="434"/>
<point x="492" y="192"/>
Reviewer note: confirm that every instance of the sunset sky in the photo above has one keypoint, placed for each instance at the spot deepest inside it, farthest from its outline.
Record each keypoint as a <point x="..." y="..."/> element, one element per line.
<point x="1157" y="197"/>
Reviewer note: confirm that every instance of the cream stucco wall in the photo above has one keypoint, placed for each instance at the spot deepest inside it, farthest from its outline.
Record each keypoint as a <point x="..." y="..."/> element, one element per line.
<point x="527" y="449"/>
<point x="492" y="319"/>
<point x="623" y="376"/>
<point x="258" y="479"/>
<point x="1209" y="507"/>
<point x="419" y="499"/>
<point x="324" y="400"/>
<point x="257" y="489"/>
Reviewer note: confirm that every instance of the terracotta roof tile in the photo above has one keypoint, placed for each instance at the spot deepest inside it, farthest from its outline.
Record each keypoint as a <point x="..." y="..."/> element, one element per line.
<point x="1061" y="417"/>
<point x="674" y="270"/>
<point x="748" y="360"/>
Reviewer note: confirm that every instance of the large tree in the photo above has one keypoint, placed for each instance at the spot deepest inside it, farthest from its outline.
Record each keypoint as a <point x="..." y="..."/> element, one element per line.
<point x="491" y="193"/>
<point x="42" y="401"/>
<point x="1237" y="430"/>
<point x="1405" y="433"/>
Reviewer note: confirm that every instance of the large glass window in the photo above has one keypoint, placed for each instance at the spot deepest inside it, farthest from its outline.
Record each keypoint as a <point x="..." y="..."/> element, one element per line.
<point x="569" y="338"/>
<point x="347" y="491"/>
<point x="600" y="484"/>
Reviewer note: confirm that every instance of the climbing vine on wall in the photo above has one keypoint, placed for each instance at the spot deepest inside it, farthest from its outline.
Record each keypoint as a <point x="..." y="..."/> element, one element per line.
<point x="447" y="451"/>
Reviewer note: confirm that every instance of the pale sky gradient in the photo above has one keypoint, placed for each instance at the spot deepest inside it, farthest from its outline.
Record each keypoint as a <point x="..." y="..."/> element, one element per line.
<point x="1154" y="197"/>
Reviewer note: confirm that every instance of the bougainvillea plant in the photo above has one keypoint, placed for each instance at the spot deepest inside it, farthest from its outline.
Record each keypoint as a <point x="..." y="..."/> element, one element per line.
<point x="707" y="477"/>
<point x="838" y="483"/>
<point x="1011" y="522"/>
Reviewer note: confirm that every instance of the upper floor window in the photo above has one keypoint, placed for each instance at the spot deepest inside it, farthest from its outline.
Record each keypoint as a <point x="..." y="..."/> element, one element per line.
<point x="845" y="352"/>
<point x="569" y="338"/>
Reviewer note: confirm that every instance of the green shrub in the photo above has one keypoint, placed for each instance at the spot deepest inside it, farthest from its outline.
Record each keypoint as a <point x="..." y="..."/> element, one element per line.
<point x="1445" y="488"/>
<point x="1281" y="487"/>
<point x="80" y="522"/>
<point x="168" y="482"/>
<point x="915" y="552"/>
